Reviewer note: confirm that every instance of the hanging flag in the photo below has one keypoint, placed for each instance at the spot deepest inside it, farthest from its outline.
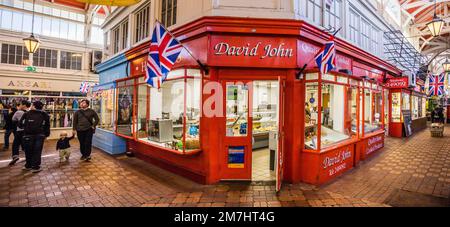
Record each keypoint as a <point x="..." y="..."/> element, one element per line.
<point x="325" y="59"/>
<point x="164" y="51"/>
<point x="84" y="88"/>
<point x="436" y="86"/>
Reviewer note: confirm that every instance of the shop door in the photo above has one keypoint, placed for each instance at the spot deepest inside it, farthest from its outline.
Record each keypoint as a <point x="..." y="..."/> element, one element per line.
<point x="280" y="134"/>
<point x="237" y="139"/>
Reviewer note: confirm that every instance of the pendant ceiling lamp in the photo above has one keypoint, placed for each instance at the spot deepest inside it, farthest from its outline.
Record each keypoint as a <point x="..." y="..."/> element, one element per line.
<point x="32" y="43"/>
<point x="446" y="65"/>
<point x="435" y="25"/>
<point x="111" y="2"/>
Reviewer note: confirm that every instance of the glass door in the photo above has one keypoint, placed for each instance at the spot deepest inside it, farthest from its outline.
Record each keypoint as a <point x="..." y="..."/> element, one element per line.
<point x="237" y="139"/>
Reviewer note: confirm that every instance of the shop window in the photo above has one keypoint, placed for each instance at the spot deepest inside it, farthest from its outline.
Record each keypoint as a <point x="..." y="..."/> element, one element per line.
<point x="386" y="108"/>
<point x="125" y="95"/>
<point x="424" y="107"/>
<point x="170" y="117"/>
<point x="60" y="109"/>
<point x="415" y="107"/>
<point x="406" y="104"/>
<point x="103" y="104"/>
<point x="373" y="103"/>
<point x="169" y="12"/>
<point x="311" y="115"/>
<point x="352" y="99"/>
<point x="237" y="109"/>
<point x="333" y="115"/>
<point x="396" y="107"/>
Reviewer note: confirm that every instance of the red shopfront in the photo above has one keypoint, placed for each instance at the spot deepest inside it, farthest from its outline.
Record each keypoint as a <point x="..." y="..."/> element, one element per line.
<point x="251" y="99"/>
<point x="407" y="107"/>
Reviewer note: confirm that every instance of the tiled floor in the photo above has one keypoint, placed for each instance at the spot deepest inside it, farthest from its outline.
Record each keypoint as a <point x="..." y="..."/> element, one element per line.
<point x="402" y="170"/>
<point x="260" y="165"/>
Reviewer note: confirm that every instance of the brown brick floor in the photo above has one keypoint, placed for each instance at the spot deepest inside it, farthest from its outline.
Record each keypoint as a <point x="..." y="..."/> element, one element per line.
<point x="418" y="164"/>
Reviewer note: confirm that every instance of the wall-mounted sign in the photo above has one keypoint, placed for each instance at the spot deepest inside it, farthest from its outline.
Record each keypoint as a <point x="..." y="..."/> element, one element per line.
<point x="343" y="62"/>
<point x="401" y="82"/>
<point x="253" y="51"/>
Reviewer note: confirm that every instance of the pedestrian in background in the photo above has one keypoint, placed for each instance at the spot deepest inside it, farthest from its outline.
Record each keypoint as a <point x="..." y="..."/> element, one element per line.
<point x="23" y="107"/>
<point x="36" y="127"/>
<point x="85" y="121"/>
<point x="9" y="127"/>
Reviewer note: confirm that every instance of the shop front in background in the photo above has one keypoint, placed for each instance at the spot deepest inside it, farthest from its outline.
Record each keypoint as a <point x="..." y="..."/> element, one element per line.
<point x="407" y="108"/>
<point x="60" y="100"/>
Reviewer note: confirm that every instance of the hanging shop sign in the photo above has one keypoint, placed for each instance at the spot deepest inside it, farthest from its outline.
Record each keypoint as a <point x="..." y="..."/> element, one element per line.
<point x="400" y="82"/>
<point x="253" y="51"/>
<point x="336" y="162"/>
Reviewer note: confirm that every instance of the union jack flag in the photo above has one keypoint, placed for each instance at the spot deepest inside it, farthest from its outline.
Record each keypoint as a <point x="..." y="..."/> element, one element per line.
<point x="164" y="51"/>
<point x="436" y="85"/>
<point x="325" y="59"/>
<point x="84" y="88"/>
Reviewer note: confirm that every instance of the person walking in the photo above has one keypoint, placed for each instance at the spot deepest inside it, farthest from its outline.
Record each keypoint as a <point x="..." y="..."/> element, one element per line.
<point x="9" y="127"/>
<point x="85" y="121"/>
<point x="23" y="107"/>
<point x="36" y="127"/>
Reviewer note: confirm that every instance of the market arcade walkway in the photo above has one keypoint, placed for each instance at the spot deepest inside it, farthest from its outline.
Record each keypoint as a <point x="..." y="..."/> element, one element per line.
<point x="408" y="172"/>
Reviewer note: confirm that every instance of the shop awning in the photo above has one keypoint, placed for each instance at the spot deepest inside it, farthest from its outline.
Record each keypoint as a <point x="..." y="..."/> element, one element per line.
<point x="106" y="86"/>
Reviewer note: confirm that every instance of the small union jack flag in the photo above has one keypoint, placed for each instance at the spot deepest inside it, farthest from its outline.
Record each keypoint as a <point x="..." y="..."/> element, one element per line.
<point x="84" y="88"/>
<point x="325" y="59"/>
<point x="436" y="85"/>
<point x="164" y="51"/>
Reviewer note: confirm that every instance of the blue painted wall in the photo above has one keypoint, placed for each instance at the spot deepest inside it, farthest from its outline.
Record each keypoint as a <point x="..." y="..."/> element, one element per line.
<point x="109" y="71"/>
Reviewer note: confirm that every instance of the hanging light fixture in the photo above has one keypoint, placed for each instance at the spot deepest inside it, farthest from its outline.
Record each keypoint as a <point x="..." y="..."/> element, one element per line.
<point x="32" y="43"/>
<point x="446" y="65"/>
<point x="435" y="25"/>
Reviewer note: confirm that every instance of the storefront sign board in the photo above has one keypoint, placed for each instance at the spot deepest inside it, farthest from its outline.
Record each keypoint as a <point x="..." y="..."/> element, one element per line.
<point x="10" y="83"/>
<point x="401" y="82"/>
<point x="253" y="51"/>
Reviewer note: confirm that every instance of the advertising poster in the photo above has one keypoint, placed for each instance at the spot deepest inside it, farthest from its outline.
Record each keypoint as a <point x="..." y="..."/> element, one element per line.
<point x="236" y="157"/>
<point x="125" y="106"/>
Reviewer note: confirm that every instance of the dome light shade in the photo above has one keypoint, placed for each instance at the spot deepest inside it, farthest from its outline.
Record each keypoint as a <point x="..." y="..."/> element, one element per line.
<point x="435" y="26"/>
<point x="31" y="43"/>
<point x="446" y="65"/>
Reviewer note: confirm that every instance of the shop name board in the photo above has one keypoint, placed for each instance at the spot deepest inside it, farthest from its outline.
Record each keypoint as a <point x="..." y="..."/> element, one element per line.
<point x="269" y="50"/>
<point x="374" y="143"/>
<point x="28" y="84"/>
<point x="401" y="82"/>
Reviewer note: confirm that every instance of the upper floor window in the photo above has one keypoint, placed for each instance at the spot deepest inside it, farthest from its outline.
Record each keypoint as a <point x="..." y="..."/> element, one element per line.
<point x="353" y="26"/>
<point x="314" y="11"/>
<point x="120" y="36"/>
<point x="45" y="58"/>
<point x="14" y="54"/>
<point x="365" y="34"/>
<point x="142" y="20"/>
<point x="70" y="60"/>
<point x="333" y="15"/>
<point x="169" y="12"/>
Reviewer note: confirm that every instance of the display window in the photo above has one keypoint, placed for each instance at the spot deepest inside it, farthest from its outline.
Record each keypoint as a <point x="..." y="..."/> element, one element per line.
<point x="335" y="108"/>
<point x="125" y="110"/>
<point x="103" y="104"/>
<point x="373" y="104"/>
<point x="169" y="117"/>
<point x="237" y="96"/>
<point x="386" y="108"/>
<point x="396" y="107"/>
<point x="406" y="104"/>
<point x="415" y="107"/>
<point x="59" y="106"/>
<point x="424" y="107"/>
